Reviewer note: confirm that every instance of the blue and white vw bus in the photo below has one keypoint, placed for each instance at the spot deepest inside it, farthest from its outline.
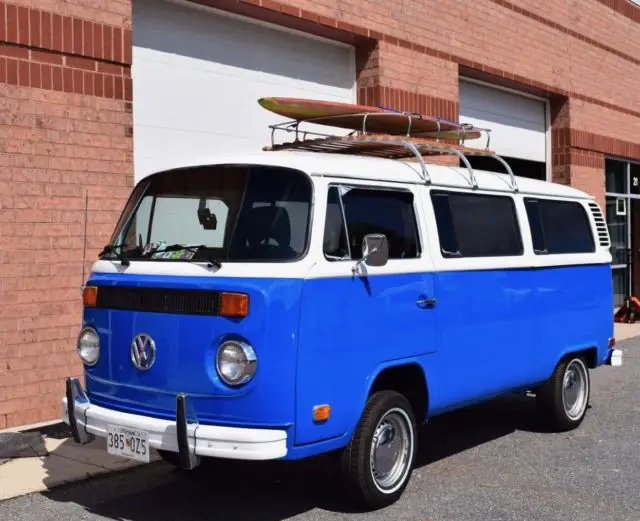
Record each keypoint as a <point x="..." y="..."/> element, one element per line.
<point x="284" y="304"/>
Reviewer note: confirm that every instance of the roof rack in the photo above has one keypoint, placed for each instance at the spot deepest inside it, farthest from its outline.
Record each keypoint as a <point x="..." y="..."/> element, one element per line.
<point x="359" y="142"/>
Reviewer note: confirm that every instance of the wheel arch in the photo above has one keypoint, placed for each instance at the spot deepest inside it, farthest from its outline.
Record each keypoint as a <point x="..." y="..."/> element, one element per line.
<point x="590" y="354"/>
<point x="406" y="377"/>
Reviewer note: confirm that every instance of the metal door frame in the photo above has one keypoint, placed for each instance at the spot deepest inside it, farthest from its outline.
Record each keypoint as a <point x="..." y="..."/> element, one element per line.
<point x="628" y="196"/>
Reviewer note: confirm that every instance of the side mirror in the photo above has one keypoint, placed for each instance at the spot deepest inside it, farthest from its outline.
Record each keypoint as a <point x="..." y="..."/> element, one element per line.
<point x="375" y="251"/>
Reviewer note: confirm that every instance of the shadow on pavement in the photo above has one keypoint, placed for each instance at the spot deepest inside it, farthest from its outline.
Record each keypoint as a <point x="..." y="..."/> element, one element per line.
<point x="274" y="491"/>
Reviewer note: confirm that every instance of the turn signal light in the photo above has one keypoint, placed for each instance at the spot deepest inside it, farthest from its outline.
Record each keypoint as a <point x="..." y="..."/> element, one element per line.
<point x="90" y="296"/>
<point x="321" y="413"/>
<point x="234" y="305"/>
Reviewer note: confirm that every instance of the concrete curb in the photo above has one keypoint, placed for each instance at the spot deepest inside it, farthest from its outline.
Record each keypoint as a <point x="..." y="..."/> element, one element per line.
<point x="67" y="462"/>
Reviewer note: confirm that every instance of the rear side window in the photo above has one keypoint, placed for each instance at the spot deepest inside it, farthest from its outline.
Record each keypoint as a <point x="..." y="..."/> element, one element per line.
<point x="476" y="225"/>
<point x="559" y="227"/>
<point x="354" y="212"/>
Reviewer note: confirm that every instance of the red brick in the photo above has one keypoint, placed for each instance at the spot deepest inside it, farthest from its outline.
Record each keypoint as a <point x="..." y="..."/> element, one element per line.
<point x="67" y="80"/>
<point x="127" y="47"/>
<point x="46" y="21"/>
<point x="109" y="68"/>
<point x="23" y="73"/>
<point x="78" y="81"/>
<point x="12" y="23"/>
<point x="109" y="88"/>
<point x="23" y="25"/>
<point x="35" y="28"/>
<point x="80" y="63"/>
<point x="97" y="41"/>
<point x="67" y="34"/>
<point x="117" y="45"/>
<point x="36" y="75"/>
<point x="3" y="24"/>
<point x="56" y="78"/>
<point x="46" y="57"/>
<point x="14" y="52"/>
<point x="77" y="36"/>
<point x="107" y="45"/>
<point x="87" y="38"/>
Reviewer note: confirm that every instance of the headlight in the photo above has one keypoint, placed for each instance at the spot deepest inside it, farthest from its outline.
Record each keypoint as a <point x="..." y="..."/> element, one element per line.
<point x="236" y="362"/>
<point x="89" y="346"/>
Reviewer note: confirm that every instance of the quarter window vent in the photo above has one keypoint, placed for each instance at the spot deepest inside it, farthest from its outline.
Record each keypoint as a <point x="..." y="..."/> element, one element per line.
<point x="601" y="225"/>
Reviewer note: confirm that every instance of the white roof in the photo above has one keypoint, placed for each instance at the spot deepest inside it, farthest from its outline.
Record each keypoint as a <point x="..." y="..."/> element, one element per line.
<point x="377" y="169"/>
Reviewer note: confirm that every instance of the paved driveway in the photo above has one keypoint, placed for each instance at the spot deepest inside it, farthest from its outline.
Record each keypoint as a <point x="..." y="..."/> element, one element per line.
<point x="488" y="463"/>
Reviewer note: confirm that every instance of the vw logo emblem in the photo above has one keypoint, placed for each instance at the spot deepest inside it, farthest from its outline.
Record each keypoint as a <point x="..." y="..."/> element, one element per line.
<point x="143" y="352"/>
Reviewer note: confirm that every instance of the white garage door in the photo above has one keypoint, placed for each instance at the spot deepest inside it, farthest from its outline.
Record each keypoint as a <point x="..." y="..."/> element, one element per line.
<point x="518" y="123"/>
<point x="197" y="76"/>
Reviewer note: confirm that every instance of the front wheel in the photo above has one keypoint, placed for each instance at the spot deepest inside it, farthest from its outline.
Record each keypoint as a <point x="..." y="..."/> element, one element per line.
<point x="379" y="459"/>
<point x="565" y="396"/>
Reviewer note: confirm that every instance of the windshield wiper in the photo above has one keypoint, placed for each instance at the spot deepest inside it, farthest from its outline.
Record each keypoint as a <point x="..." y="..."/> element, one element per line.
<point x="116" y="249"/>
<point x="211" y="261"/>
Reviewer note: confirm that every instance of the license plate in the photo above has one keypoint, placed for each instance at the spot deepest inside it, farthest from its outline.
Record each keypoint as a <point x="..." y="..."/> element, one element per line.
<point x="128" y="443"/>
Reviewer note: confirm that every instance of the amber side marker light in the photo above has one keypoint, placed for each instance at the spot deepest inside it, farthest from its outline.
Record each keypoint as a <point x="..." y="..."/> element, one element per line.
<point x="90" y="296"/>
<point x="321" y="413"/>
<point x="234" y="304"/>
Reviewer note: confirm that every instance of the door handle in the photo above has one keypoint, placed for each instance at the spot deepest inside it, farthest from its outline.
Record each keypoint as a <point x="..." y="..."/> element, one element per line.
<point x="425" y="302"/>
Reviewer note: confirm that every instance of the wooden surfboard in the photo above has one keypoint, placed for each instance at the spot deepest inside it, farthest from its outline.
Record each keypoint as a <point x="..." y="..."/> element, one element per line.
<point x="378" y="120"/>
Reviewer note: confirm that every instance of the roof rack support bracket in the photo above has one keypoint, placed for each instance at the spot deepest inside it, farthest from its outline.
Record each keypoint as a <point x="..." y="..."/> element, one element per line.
<point x="514" y="184"/>
<point x="414" y="150"/>
<point x="472" y="175"/>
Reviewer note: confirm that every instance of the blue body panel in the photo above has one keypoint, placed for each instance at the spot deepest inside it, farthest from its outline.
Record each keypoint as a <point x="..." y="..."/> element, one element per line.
<point x="324" y="341"/>
<point x="186" y="347"/>
<point x="351" y="328"/>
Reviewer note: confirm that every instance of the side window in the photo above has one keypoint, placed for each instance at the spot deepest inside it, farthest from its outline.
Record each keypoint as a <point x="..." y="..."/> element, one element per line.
<point x="559" y="227"/>
<point x="370" y="211"/>
<point x="475" y="225"/>
<point x="335" y="234"/>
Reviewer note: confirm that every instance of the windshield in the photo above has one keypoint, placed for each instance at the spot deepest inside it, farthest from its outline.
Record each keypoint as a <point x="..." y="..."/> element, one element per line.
<point x="226" y="213"/>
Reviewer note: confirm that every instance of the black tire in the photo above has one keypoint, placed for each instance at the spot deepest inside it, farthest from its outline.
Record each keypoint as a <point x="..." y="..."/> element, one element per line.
<point x="356" y="463"/>
<point x="550" y="397"/>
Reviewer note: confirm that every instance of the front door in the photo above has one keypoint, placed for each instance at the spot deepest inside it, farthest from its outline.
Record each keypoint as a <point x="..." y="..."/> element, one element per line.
<point x="352" y="325"/>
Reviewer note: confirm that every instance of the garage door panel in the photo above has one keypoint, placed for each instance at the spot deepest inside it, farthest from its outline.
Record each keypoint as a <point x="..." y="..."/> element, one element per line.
<point x="216" y="40"/>
<point x="197" y="77"/>
<point x="512" y="141"/>
<point x="517" y="123"/>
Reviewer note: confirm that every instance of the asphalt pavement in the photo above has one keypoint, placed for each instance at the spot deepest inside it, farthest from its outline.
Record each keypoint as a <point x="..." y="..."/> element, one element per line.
<point x="491" y="462"/>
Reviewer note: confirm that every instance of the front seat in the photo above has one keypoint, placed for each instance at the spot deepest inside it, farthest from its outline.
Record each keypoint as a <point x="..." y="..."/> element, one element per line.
<point x="270" y="233"/>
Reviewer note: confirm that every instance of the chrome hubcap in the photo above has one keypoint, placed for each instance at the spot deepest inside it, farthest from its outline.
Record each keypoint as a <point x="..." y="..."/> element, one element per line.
<point x="391" y="450"/>
<point x="575" y="389"/>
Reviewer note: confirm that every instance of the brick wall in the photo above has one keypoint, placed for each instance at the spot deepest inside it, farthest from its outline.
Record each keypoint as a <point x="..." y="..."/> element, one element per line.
<point x="65" y="126"/>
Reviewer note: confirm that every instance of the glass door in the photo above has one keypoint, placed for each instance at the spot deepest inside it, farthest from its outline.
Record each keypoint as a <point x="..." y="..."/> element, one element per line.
<point x="618" y="213"/>
<point x="618" y="223"/>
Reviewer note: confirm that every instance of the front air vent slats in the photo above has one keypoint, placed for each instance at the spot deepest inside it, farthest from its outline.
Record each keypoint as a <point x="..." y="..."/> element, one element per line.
<point x="159" y="300"/>
<point x="601" y="225"/>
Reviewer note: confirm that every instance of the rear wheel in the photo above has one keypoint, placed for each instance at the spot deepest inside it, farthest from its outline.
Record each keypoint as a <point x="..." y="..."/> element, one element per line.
<point x="378" y="461"/>
<point x="565" y="396"/>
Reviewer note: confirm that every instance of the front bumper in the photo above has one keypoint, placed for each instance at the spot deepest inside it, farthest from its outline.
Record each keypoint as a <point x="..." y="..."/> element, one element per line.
<point x="189" y="440"/>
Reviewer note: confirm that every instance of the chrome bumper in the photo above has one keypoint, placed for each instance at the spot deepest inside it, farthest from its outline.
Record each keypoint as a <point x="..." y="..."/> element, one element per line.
<point x="189" y="440"/>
